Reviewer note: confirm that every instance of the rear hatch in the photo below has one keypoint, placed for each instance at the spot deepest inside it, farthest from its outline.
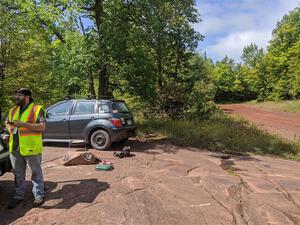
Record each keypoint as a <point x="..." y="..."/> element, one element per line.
<point x="120" y="111"/>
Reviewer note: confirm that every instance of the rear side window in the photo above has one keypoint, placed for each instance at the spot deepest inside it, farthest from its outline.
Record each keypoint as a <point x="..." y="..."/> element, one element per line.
<point x="103" y="108"/>
<point x="62" y="109"/>
<point x="119" y="107"/>
<point x="83" y="108"/>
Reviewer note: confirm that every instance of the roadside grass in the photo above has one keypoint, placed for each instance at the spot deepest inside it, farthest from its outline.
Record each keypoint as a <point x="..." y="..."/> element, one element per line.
<point x="284" y="106"/>
<point x="223" y="134"/>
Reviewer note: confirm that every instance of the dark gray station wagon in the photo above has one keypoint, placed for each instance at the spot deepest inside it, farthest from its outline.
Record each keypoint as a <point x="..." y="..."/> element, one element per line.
<point x="98" y="122"/>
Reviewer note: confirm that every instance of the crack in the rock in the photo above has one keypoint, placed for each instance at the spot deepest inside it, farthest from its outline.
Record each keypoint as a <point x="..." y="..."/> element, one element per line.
<point x="293" y="220"/>
<point x="135" y="190"/>
<point x="235" y="192"/>
<point x="245" y="184"/>
<point x="288" y="196"/>
<point x="92" y="204"/>
<point x="190" y="170"/>
<point x="278" y="187"/>
<point x="121" y="179"/>
<point x="221" y="204"/>
<point x="237" y="214"/>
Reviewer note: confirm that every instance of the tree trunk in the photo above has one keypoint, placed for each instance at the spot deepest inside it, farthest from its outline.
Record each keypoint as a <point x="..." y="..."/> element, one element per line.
<point x="103" y="75"/>
<point x="98" y="10"/>
<point x="159" y="67"/>
<point x="103" y="83"/>
<point x="91" y="85"/>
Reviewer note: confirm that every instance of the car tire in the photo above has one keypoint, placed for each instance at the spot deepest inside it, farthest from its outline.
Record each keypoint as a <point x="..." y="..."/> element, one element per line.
<point x="100" y="140"/>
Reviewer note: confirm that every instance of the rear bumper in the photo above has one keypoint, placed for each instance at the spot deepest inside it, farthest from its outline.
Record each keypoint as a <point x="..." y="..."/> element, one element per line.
<point x="121" y="134"/>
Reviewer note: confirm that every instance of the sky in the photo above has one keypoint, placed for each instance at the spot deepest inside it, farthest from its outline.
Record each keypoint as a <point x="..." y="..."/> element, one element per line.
<point x="229" y="25"/>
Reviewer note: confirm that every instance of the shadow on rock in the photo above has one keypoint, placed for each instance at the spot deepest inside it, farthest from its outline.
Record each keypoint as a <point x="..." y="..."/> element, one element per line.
<point x="59" y="195"/>
<point x="6" y="193"/>
<point x="228" y="161"/>
<point x="66" y="194"/>
<point x="136" y="145"/>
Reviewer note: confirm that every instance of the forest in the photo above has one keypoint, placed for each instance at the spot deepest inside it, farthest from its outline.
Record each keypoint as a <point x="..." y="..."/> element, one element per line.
<point x="143" y="51"/>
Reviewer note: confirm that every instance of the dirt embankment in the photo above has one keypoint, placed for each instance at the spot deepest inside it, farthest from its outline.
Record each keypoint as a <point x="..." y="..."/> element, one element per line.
<point x="285" y="124"/>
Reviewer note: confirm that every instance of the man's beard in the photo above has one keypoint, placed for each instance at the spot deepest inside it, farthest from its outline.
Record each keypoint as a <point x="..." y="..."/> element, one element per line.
<point x="20" y="102"/>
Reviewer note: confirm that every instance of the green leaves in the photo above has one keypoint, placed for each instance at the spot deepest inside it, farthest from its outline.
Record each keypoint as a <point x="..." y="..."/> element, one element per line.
<point x="281" y="59"/>
<point x="142" y="50"/>
<point x="252" y="55"/>
<point x="273" y="75"/>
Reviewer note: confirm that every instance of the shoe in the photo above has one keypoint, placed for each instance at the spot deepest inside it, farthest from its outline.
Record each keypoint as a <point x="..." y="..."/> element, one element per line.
<point x="119" y="155"/>
<point x="13" y="203"/>
<point x="38" y="201"/>
<point x="126" y="151"/>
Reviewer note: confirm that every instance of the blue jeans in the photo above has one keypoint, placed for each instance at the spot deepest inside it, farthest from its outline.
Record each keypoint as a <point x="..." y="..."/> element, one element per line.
<point x="19" y="163"/>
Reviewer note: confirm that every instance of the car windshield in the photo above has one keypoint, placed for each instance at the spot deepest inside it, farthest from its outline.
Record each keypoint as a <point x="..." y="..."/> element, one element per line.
<point x="119" y="107"/>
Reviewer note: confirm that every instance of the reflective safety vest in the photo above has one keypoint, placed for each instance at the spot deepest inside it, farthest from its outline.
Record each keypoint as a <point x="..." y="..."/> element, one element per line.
<point x="30" y="142"/>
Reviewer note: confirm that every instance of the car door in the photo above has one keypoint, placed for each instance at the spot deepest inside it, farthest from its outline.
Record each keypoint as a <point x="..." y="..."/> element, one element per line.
<point x="83" y="113"/>
<point x="57" y="121"/>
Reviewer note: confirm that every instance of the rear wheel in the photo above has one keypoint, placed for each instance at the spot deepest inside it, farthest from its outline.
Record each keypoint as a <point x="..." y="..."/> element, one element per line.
<point x="100" y="140"/>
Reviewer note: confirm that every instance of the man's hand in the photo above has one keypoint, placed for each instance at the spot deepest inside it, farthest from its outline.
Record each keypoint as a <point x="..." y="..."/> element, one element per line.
<point x="31" y="126"/>
<point x="17" y="123"/>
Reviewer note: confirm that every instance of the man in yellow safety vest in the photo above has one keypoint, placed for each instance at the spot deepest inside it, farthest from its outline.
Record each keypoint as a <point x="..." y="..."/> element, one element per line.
<point x="26" y="122"/>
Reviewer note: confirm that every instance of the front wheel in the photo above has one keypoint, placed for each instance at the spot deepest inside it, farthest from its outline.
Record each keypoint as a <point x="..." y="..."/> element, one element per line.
<point x="100" y="140"/>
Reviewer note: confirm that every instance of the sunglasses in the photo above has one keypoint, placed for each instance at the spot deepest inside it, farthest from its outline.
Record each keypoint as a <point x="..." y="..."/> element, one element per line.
<point x="19" y="95"/>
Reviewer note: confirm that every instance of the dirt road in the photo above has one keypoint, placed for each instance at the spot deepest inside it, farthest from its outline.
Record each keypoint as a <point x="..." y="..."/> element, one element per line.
<point x="285" y="124"/>
<point x="162" y="184"/>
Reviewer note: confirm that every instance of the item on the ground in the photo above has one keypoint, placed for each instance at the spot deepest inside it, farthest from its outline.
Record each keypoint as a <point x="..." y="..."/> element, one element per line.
<point x="124" y="153"/>
<point x="80" y="158"/>
<point x="104" y="165"/>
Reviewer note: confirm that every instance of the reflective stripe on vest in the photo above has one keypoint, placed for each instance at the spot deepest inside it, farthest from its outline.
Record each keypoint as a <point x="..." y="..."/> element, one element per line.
<point x="25" y="132"/>
<point x="31" y="118"/>
<point x="12" y="114"/>
<point x="30" y="142"/>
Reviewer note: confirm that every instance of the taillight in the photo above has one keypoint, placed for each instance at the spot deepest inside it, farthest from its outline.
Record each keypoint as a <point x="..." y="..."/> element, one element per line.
<point x="116" y="122"/>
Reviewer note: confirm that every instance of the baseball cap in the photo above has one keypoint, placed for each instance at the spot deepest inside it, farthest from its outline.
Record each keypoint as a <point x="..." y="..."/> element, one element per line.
<point x="25" y="91"/>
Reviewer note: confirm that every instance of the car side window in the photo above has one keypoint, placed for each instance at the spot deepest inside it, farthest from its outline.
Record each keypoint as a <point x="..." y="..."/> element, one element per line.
<point x="119" y="107"/>
<point x="103" y="108"/>
<point x="62" y="109"/>
<point x="83" y="107"/>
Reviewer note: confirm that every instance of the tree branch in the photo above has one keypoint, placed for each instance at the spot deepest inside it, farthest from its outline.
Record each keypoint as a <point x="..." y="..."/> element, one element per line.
<point x="51" y="27"/>
<point x="116" y="86"/>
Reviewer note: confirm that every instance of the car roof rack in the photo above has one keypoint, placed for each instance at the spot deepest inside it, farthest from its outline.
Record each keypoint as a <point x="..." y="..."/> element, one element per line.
<point x="107" y="98"/>
<point x="68" y="97"/>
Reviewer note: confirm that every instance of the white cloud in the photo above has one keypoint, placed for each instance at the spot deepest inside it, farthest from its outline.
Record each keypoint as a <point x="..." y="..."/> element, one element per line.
<point x="233" y="44"/>
<point x="230" y="25"/>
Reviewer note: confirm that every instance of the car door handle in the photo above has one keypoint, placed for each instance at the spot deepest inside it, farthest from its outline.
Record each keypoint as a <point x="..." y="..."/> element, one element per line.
<point x="64" y="120"/>
<point x="92" y="118"/>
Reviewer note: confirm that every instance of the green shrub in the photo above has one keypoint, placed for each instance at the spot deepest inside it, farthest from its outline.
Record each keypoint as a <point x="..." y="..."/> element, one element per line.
<point x="222" y="133"/>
